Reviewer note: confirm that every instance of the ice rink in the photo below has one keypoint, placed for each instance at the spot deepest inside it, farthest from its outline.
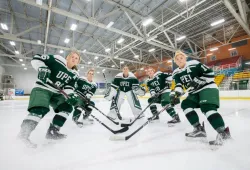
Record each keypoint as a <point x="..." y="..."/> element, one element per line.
<point x="157" y="146"/>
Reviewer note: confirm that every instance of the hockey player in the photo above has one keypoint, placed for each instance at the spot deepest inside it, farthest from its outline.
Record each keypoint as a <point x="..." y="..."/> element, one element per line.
<point x="125" y="83"/>
<point x="203" y="94"/>
<point x="156" y="82"/>
<point x="86" y="87"/>
<point x="58" y="71"/>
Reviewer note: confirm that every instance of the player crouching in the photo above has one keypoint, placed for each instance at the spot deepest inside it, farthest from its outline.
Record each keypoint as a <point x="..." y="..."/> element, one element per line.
<point x="125" y="83"/>
<point x="86" y="88"/>
<point x="158" y="81"/>
<point x="203" y="93"/>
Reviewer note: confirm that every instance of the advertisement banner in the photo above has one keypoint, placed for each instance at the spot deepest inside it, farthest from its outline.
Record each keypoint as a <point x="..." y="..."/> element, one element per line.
<point x="19" y="92"/>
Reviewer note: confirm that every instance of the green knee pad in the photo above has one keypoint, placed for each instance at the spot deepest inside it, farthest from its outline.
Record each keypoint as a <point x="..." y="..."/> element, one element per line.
<point x="214" y="118"/>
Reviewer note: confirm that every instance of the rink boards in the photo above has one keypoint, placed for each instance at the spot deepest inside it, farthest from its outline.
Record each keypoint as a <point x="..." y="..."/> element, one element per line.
<point x="224" y="95"/>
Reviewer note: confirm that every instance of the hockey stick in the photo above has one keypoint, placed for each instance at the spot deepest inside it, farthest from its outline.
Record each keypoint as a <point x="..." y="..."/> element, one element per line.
<point x="66" y="96"/>
<point x="138" y="116"/>
<point x="114" y="102"/>
<point x="142" y="126"/>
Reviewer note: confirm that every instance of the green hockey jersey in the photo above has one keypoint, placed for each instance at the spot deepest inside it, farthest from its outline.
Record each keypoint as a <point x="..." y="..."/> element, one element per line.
<point x="85" y="87"/>
<point x="60" y="75"/>
<point x="159" y="81"/>
<point x="192" y="69"/>
<point x="125" y="84"/>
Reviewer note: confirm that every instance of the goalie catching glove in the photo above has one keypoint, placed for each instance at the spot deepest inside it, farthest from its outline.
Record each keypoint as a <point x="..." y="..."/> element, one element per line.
<point x="140" y="91"/>
<point x="43" y="74"/>
<point x="110" y="93"/>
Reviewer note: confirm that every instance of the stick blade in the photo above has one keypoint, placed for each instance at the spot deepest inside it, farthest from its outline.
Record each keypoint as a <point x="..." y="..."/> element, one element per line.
<point x="125" y="124"/>
<point x="117" y="138"/>
<point x="121" y="130"/>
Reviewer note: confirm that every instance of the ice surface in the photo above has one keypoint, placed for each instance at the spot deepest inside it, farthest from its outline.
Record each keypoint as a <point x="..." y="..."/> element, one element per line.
<point x="157" y="146"/>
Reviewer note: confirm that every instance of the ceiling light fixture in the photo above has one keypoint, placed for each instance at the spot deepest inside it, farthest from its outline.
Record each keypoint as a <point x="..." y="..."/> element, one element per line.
<point x="25" y="68"/>
<point x="96" y="57"/>
<point x="181" y="38"/>
<point x="113" y="66"/>
<point x="4" y="26"/>
<point x="214" y="49"/>
<point x="147" y="22"/>
<point x="120" y="40"/>
<point x="116" y="56"/>
<point x="209" y="54"/>
<point x="12" y="43"/>
<point x="107" y="50"/>
<point x="17" y="52"/>
<point x="66" y="40"/>
<point x="151" y="50"/>
<point x="73" y="27"/>
<point x="122" y="62"/>
<point x="84" y="50"/>
<point x="61" y="51"/>
<point x="230" y="49"/>
<point x="217" y="22"/>
<point x="21" y="60"/>
<point x="23" y="64"/>
<point x="39" y="41"/>
<point x="89" y="62"/>
<point x="136" y="56"/>
<point x="103" y="70"/>
<point x="110" y="24"/>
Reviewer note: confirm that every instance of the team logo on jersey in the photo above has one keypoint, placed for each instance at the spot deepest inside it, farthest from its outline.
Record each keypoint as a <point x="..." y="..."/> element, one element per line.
<point x="124" y="83"/>
<point x="188" y="70"/>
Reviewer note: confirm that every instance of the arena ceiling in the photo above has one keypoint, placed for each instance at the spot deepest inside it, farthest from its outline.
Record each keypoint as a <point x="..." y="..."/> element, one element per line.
<point x="42" y="26"/>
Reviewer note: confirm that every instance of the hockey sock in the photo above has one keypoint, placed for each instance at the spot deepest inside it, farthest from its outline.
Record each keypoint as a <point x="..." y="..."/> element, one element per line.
<point x="192" y="116"/>
<point x="32" y="120"/>
<point x="60" y="118"/>
<point x="171" y="112"/>
<point x="153" y="109"/>
<point x="214" y="118"/>
<point x="77" y="113"/>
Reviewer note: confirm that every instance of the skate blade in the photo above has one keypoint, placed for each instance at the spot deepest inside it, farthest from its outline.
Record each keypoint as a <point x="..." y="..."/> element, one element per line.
<point x="197" y="139"/>
<point x="173" y="124"/>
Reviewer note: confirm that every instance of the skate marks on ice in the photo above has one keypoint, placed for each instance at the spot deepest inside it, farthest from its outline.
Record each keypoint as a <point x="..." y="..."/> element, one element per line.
<point x="157" y="146"/>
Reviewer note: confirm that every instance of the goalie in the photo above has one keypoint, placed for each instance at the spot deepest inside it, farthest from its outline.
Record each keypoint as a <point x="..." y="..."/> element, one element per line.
<point x="125" y="83"/>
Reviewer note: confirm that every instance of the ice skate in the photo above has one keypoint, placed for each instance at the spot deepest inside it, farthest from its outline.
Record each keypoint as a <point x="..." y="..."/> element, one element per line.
<point x="221" y="138"/>
<point x="54" y="134"/>
<point x="174" y="121"/>
<point x="198" y="134"/>
<point x="154" y="119"/>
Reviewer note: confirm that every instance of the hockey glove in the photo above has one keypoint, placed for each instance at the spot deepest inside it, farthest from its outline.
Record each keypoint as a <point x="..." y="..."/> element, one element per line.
<point x="43" y="74"/>
<point x="111" y="92"/>
<point x="197" y="83"/>
<point x="140" y="91"/>
<point x="72" y="99"/>
<point x="175" y="98"/>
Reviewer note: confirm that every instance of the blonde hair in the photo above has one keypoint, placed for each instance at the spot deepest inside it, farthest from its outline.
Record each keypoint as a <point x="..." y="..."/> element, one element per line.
<point x="179" y="52"/>
<point x="92" y="69"/>
<point x="70" y="54"/>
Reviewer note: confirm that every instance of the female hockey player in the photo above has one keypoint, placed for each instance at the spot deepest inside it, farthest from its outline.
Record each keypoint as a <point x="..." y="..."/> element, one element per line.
<point x="86" y="88"/>
<point x="156" y="82"/>
<point x="125" y="83"/>
<point x="203" y="94"/>
<point x="55" y="69"/>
